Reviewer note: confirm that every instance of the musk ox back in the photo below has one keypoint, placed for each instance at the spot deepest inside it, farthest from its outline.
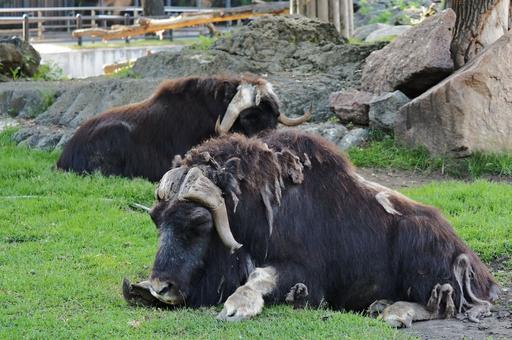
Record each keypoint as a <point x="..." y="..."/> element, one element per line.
<point x="141" y="139"/>
<point x="285" y="218"/>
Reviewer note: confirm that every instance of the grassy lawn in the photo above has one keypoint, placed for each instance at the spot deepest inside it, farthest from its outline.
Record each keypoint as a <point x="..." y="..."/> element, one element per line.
<point x="67" y="241"/>
<point x="383" y="152"/>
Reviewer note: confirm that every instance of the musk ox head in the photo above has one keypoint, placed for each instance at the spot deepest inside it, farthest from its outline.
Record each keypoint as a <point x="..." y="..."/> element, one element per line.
<point x="253" y="108"/>
<point x="191" y="217"/>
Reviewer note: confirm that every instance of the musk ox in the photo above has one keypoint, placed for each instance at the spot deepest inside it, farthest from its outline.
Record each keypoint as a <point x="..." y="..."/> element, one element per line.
<point x="141" y="139"/>
<point x="285" y="218"/>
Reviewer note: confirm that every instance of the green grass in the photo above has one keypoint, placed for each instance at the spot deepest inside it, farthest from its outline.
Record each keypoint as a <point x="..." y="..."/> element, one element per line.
<point x="383" y="152"/>
<point x="67" y="241"/>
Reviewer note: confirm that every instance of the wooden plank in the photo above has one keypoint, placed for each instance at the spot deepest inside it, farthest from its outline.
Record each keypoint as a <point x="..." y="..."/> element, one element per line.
<point x="146" y="25"/>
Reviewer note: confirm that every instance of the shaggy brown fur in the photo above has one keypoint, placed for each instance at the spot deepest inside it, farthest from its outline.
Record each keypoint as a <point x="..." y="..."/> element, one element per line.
<point x="318" y="223"/>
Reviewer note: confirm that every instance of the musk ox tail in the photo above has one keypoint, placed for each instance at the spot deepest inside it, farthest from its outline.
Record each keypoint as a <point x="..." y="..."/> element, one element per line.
<point x="476" y="287"/>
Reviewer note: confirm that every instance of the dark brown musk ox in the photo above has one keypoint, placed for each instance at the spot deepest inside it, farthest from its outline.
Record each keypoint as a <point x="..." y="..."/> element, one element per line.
<point x="286" y="218"/>
<point x="141" y="139"/>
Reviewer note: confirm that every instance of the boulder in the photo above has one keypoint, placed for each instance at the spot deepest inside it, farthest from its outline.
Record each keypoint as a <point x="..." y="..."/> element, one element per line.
<point x="354" y="137"/>
<point x="413" y="62"/>
<point x="384" y="109"/>
<point x="351" y="106"/>
<point x="18" y="58"/>
<point x="387" y="33"/>
<point x="362" y="32"/>
<point x="467" y="112"/>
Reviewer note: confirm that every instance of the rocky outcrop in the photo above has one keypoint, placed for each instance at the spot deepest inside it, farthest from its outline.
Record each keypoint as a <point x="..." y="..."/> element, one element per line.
<point x="17" y="58"/>
<point x="305" y="59"/>
<point x="351" y="106"/>
<point x="415" y="61"/>
<point x="467" y="112"/>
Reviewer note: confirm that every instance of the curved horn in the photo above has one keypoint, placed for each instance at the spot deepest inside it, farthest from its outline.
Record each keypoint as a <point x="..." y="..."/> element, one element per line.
<point x="295" y="121"/>
<point x="198" y="188"/>
<point x="243" y="99"/>
<point x="170" y="183"/>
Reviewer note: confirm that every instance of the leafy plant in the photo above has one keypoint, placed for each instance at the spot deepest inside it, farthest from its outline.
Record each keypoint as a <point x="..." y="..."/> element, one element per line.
<point x="50" y="71"/>
<point x="15" y="73"/>
<point x="383" y="17"/>
<point x="203" y="43"/>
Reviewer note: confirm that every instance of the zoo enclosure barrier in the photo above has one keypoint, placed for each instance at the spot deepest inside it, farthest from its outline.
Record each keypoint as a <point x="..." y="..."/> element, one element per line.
<point x="24" y="21"/>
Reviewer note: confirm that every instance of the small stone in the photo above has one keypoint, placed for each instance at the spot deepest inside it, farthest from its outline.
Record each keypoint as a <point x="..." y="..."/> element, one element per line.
<point x="503" y="314"/>
<point x="483" y="326"/>
<point x="353" y="138"/>
<point x="351" y="106"/>
<point x="384" y="109"/>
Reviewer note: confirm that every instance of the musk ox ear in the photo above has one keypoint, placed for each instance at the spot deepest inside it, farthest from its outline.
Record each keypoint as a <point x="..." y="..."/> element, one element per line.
<point x="291" y="166"/>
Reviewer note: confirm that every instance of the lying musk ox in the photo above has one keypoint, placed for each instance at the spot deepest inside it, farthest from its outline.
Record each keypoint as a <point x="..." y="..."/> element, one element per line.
<point x="141" y="139"/>
<point x="285" y="218"/>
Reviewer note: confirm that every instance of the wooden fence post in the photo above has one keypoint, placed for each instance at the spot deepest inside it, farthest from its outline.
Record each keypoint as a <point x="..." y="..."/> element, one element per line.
<point x="126" y="23"/>
<point x="26" y="28"/>
<point x="79" y="26"/>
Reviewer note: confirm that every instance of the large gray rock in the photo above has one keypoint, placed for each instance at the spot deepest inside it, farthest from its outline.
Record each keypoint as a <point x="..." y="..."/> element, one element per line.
<point x="18" y="58"/>
<point x="467" y="112"/>
<point x="384" y="109"/>
<point x="415" y="61"/>
<point x="351" y="106"/>
<point x="387" y="33"/>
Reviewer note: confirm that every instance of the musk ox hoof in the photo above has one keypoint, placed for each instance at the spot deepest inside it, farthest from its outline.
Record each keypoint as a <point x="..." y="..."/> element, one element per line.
<point x="297" y="296"/>
<point x="243" y="304"/>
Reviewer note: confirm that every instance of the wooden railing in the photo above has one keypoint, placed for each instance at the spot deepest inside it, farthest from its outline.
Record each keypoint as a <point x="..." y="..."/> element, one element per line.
<point x="41" y="20"/>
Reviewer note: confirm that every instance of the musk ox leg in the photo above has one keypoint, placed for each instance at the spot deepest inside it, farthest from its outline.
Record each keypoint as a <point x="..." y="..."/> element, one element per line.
<point x="403" y="314"/>
<point x="247" y="300"/>
<point x="297" y="296"/>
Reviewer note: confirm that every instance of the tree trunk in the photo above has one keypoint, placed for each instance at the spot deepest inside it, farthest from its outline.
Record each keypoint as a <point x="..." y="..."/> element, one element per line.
<point x="153" y="8"/>
<point x="510" y="17"/>
<point x="479" y="23"/>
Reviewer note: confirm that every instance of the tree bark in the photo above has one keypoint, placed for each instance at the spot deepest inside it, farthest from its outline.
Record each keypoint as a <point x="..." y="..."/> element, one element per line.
<point x="510" y="17"/>
<point x="153" y="8"/>
<point x="479" y="23"/>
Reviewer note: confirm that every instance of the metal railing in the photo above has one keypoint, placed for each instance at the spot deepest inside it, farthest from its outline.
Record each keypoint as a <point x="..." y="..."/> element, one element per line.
<point x="41" y="20"/>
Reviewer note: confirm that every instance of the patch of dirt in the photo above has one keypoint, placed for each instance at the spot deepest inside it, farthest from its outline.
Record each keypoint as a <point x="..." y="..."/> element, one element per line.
<point x="397" y="179"/>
